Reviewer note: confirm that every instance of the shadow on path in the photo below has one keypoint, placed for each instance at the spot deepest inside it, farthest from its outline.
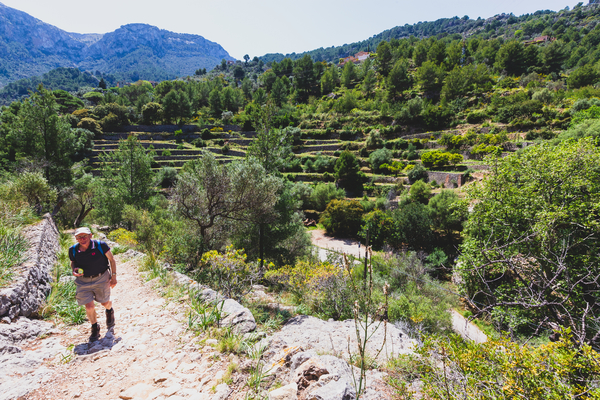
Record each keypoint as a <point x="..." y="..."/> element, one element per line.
<point x="106" y="343"/>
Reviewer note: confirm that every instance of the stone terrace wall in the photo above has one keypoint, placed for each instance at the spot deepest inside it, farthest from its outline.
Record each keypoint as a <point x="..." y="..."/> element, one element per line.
<point x="446" y="178"/>
<point x="31" y="284"/>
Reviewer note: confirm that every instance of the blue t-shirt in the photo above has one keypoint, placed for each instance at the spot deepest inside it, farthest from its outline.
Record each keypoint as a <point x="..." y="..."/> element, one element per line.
<point x="92" y="261"/>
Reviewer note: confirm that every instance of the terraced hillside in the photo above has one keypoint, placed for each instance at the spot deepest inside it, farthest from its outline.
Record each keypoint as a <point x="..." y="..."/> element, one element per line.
<point x="316" y="150"/>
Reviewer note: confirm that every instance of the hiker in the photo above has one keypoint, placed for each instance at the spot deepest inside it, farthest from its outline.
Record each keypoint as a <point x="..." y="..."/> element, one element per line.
<point x="96" y="270"/>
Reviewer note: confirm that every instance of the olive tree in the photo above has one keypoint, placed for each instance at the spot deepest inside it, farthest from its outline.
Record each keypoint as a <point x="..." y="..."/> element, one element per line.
<point x="215" y="196"/>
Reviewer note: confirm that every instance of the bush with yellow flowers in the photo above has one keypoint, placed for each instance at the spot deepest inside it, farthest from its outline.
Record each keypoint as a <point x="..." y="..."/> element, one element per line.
<point x="450" y="368"/>
<point x="229" y="272"/>
<point x="322" y="286"/>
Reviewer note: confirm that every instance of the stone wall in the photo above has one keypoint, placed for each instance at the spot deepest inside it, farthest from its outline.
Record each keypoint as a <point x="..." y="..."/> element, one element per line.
<point x="447" y="179"/>
<point x="31" y="282"/>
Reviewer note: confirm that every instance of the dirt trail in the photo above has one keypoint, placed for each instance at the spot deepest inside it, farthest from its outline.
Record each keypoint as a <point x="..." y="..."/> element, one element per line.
<point x="327" y="243"/>
<point x="147" y="355"/>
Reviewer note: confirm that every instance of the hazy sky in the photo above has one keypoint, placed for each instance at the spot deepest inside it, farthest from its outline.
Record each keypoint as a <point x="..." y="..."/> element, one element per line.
<point x="268" y="26"/>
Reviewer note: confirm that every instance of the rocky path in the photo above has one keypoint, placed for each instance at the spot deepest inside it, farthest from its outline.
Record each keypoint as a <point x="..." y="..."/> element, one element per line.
<point x="150" y="354"/>
<point x="147" y="355"/>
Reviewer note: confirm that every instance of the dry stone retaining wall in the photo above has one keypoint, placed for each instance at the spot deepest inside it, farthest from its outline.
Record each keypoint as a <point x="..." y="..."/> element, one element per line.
<point x="32" y="278"/>
<point x="447" y="179"/>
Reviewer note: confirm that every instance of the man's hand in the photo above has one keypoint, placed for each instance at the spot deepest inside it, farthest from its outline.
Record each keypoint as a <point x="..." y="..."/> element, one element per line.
<point x="113" y="281"/>
<point x="76" y="273"/>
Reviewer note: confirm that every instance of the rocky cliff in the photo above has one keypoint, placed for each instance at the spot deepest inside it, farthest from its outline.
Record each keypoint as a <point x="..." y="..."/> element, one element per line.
<point x="30" y="47"/>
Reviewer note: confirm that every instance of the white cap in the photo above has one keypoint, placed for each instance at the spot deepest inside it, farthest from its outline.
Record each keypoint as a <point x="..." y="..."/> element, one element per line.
<point x="83" y="229"/>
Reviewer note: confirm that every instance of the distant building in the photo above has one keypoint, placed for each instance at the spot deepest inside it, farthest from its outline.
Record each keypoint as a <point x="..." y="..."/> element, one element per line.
<point x="362" y="56"/>
<point x="348" y="59"/>
<point x="357" y="58"/>
<point x="539" y="40"/>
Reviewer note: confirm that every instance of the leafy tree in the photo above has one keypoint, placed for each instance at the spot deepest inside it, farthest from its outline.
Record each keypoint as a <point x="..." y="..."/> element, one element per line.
<point x="417" y="173"/>
<point x="379" y="157"/>
<point x="322" y="194"/>
<point x="304" y="77"/>
<point x="268" y="80"/>
<point x="43" y="135"/>
<point x="279" y="93"/>
<point x="247" y="88"/>
<point x="412" y="226"/>
<point x="398" y="79"/>
<point x="342" y="217"/>
<point x="430" y="76"/>
<point x="584" y="76"/>
<point x="213" y="195"/>
<point x="152" y="113"/>
<point x="347" y="173"/>
<point x="36" y="189"/>
<point x="238" y="72"/>
<point x="272" y="147"/>
<point x="177" y="106"/>
<point x="349" y="75"/>
<point x="554" y="55"/>
<point x="282" y="239"/>
<point x="83" y="195"/>
<point x="461" y="80"/>
<point x="369" y="83"/>
<point x="447" y="214"/>
<point x="67" y="103"/>
<point x="420" y="192"/>
<point x="530" y="254"/>
<point x="437" y="52"/>
<point x="511" y="58"/>
<point x="384" y="58"/>
<point x="329" y="80"/>
<point x="127" y="178"/>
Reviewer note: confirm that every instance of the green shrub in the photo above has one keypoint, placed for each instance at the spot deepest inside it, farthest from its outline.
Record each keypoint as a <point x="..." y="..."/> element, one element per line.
<point x="166" y="153"/>
<point x="199" y="143"/>
<point x="379" y="157"/>
<point x="342" y="217"/>
<point x="206" y="134"/>
<point x="123" y="237"/>
<point x="494" y="370"/>
<point x="417" y="173"/>
<point x="322" y="194"/>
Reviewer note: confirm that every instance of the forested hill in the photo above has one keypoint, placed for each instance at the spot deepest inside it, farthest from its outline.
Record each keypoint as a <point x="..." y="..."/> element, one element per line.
<point x="559" y="24"/>
<point x="30" y="47"/>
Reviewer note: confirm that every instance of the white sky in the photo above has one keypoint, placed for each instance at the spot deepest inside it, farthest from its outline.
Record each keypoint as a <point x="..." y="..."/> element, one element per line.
<point x="268" y="26"/>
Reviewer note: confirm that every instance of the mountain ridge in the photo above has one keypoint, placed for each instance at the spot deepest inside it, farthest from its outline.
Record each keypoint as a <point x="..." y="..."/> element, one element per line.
<point x="31" y="47"/>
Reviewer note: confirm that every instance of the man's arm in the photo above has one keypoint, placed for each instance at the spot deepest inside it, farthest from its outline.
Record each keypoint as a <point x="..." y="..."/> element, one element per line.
<point x="74" y="270"/>
<point x="113" y="268"/>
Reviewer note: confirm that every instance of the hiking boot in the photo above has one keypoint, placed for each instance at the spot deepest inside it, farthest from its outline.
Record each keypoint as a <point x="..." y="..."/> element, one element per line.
<point x="95" y="332"/>
<point x="110" y="318"/>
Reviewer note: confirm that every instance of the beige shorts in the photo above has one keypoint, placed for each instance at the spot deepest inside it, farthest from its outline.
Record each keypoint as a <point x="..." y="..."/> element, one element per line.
<point x="90" y="289"/>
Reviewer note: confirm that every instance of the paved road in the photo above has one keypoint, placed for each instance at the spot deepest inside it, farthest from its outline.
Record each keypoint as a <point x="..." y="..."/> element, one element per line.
<point x="327" y="244"/>
<point x="467" y="329"/>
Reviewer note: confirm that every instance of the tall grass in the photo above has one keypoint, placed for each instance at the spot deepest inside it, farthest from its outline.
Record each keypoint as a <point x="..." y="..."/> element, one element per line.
<point x="61" y="303"/>
<point x="12" y="252"/>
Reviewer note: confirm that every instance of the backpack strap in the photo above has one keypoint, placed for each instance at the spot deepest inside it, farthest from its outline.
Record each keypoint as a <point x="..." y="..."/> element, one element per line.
<point x="74" y="249"/>
<point x="99" y="247"/>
